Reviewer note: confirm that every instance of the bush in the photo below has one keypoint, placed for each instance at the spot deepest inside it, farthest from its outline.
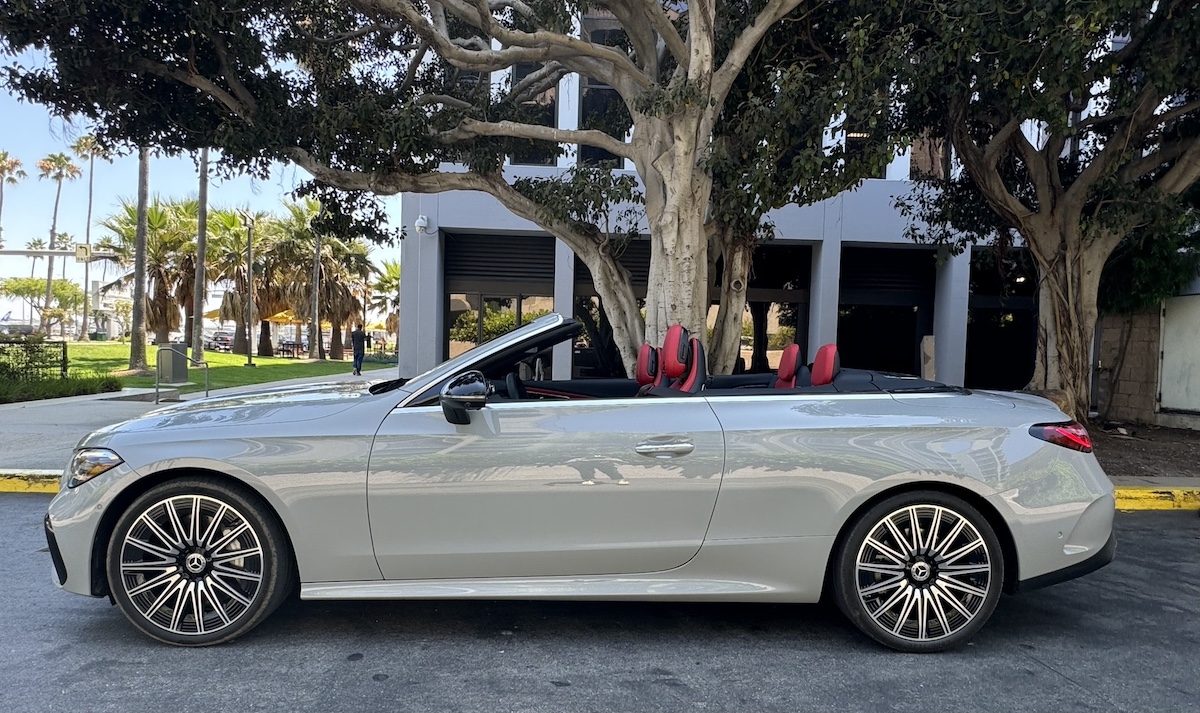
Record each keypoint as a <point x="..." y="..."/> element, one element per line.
<point x="14" y="391"/>
<point x="782" y="338"/>
<point x="495" y="323"/>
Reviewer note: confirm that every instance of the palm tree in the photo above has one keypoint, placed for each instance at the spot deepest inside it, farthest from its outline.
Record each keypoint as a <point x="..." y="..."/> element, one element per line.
<point x="137" y="349"/>
<point x="169" y="259"/>
<point x="58" y="168"/>
<point x="87" y="148"/>
<point x="297" y="246"/>
<point x="227" y="263"/>
<point x="35" y="244"/>
<point x="10" y="173"/>
<point x="385" y="292"/>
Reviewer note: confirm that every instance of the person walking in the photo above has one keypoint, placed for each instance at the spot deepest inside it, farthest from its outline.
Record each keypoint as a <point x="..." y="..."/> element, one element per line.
<point x="358" y="340"/>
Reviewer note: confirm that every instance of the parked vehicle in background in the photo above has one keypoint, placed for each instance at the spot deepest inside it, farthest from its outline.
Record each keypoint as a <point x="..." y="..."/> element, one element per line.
<point x="220" y="341"/>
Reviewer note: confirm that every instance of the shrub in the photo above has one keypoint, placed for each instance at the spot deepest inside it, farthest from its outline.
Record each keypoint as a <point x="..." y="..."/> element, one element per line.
<point x="14" y="391"/>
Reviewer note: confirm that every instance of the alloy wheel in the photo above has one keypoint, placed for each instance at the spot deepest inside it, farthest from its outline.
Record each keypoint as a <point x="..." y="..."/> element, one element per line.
<point x="191" y="565"/>
<point x="923" y="573"/>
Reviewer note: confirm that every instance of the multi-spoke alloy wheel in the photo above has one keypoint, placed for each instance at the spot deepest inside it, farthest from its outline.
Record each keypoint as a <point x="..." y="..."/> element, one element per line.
<point x="920" y="572"/>
<point x="195" y="562"/>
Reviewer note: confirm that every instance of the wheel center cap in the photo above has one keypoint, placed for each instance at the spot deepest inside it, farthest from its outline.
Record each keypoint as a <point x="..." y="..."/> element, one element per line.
<point x="920" y="571"/>
<point x="195" y="562"/>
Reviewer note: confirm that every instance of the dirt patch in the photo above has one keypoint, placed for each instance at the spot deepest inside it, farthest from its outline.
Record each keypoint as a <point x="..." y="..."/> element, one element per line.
<point x="1148" y="452"/>
<point x="134" y="372"/>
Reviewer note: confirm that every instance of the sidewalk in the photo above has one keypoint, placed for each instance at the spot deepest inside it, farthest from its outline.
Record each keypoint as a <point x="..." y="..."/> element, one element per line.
<point x="39" y="437"/>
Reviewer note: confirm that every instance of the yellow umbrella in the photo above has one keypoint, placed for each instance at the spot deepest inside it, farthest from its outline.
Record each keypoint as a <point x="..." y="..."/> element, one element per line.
<point x="287" y="317"/>
<point x="212" y="314"/>
<point x="376" y="326"/>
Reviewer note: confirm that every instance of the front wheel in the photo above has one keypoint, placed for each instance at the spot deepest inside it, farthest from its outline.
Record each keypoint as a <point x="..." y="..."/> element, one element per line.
<point x="196" y="561"/>
<point x="920" y="572"/>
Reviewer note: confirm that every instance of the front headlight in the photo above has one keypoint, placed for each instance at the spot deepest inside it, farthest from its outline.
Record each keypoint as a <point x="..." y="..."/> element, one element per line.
<point x="90" y="462"/>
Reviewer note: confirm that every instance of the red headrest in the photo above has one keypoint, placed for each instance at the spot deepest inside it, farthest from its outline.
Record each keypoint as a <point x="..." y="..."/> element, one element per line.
<point x="676" y="352"/>
<point x="647" y="365"/>
<point x="826" y="365"/>
<point x="786" y="377"/>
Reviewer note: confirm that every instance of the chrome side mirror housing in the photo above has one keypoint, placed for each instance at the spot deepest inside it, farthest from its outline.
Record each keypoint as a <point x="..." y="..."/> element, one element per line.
<point x="464" y="393"/>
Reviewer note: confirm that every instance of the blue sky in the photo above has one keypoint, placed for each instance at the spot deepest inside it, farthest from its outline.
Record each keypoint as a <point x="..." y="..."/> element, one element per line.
<point x="30" y="133"/>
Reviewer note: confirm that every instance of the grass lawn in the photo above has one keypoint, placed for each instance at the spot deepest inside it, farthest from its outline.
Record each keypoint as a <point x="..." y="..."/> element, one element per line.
<point x="225" y="370"/>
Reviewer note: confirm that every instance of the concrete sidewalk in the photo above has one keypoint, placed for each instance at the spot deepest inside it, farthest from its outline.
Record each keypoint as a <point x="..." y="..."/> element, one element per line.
<point x="38" y="438"/>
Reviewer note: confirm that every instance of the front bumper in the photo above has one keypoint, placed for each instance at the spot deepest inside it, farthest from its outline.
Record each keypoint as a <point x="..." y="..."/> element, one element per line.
<point x="60" y="568"/>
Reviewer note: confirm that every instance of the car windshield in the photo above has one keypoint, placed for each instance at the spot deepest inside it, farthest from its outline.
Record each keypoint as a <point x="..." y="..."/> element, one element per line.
<point x="501" y="342"/>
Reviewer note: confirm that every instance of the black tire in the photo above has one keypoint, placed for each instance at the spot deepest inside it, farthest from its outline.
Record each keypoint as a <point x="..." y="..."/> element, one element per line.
<point x="906" y="596"/>
<point x="195" y="580"/>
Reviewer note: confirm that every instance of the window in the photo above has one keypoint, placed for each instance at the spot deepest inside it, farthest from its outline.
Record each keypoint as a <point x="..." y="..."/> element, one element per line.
<point x="541" y="110"/>
<point x="600" y="107"/>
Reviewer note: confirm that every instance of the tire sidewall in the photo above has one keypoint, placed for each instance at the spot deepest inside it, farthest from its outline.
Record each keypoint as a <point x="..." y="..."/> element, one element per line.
<point x="846" y="590"/>
<point x="276" y="561"/>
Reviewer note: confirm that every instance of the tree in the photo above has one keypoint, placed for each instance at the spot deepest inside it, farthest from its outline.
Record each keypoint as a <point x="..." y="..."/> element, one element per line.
<point x="375" y="96"/>
<point x="58" y="168"/>
<point x="88" y="149"/>
<point x="66" y="297"/>
<point x="1075" y="125"/>
<point x="137" y="348"/>
<point x="123" y="315"/>
<point x="35" y="244"/>
<point x="227" y="263"/>
<point x="385" y="291"/>
<point x="10" y="174"/>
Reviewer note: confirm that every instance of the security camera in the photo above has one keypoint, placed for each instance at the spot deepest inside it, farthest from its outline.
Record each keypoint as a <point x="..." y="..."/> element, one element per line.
<point x="421" y="224"/>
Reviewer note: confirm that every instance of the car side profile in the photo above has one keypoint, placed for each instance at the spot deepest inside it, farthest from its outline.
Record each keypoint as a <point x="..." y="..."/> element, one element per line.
<point x="911" y="504"/>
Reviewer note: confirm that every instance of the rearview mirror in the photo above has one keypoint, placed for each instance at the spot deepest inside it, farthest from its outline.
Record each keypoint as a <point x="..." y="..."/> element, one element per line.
<point x="465" y="392"/>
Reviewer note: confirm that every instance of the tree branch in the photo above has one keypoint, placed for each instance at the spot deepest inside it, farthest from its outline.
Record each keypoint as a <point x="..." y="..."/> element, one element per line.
<point x="1038" y="170"/>
<point x="428" y="99"/>
<point x="361" y="32"/>
<point x="1139" y="167"/>
<point x="230" y="74"/>
<point x="389" y="183"/>
<point x="984" y="172"/>
<point x="410" y="75"/>
<point x="1143" y="107"/>
<point x="537" y="82"/>
<point x="469" y="129"/>
<point x="662" y="24"/>
<point x="1185" y="172"/>
<point x="200" y="82"/>
<point x="745" y="43"/>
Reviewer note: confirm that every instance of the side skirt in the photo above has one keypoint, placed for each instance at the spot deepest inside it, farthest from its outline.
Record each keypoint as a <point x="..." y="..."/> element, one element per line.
<point x="777" y="570"/>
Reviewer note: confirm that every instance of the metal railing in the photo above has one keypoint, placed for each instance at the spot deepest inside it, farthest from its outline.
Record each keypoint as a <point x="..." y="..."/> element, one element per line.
<point x="191" y="361"/>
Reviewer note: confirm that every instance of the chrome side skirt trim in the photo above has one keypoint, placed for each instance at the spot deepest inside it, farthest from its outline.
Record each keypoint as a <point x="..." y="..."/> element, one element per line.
<point x="614" y="587"/>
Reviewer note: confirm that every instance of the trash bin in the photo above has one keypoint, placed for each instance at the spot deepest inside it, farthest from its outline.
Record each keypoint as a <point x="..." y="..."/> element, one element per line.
<point x="174" y="363"/>
<point x="98" y="336"/>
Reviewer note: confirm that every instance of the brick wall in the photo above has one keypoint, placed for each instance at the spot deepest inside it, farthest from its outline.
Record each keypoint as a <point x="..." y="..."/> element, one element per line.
<point x="1133" y="395"/>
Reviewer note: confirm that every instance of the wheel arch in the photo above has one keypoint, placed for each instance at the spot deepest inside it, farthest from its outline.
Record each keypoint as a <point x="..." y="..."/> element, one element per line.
<point x="1008" y="547"/>
<point x="121" y="502"/>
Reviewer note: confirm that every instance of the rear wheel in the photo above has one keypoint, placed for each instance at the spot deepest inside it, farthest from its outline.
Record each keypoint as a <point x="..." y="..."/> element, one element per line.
<point x="920" y="572"/>
<point x="196" y="561"/>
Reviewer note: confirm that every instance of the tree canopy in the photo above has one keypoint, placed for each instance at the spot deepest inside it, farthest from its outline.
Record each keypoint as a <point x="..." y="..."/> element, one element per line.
<point x="374" y="97"/>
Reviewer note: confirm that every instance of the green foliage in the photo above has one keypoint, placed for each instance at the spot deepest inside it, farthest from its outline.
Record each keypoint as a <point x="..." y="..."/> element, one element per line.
<point x="17" y="391"/>
<point x="595" y="201"/>
<point x="495" y="323"/>
<point x="1153" y="263"/>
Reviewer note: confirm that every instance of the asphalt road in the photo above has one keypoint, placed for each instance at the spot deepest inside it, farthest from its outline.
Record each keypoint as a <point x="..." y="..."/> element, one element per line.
<point x="1124" y="638"/>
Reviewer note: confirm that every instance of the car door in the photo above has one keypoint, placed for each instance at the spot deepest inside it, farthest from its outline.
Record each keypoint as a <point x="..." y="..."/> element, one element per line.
<point x="544" y="488"/>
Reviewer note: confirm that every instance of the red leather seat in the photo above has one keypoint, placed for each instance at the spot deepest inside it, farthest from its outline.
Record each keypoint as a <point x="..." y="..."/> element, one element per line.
<point x="683" y="362"/>
<point x="648" y="371"/>
<point x="789" y="367"/>
<point x="826" y="365"/>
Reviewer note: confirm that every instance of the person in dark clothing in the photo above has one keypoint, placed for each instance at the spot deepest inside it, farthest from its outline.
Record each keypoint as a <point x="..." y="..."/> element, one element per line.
<point x="358" y="340"/>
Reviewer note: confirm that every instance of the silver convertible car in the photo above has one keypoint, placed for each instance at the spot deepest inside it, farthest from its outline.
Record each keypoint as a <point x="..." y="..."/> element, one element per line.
<point x="910" y="504"/>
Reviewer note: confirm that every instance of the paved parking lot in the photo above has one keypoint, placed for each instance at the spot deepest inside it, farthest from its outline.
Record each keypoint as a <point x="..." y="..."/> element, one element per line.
<point x="1125" y="638"/>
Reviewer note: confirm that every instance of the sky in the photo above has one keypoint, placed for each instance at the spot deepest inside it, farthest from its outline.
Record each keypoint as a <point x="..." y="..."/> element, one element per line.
<point x="29" y="133"/>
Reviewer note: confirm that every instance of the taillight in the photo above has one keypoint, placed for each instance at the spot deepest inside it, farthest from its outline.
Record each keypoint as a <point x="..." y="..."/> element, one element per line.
<point x="1068" y="435"/>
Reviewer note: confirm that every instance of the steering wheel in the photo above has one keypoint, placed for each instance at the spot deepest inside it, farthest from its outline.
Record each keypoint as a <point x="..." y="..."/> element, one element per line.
<point x="516" y="387"/>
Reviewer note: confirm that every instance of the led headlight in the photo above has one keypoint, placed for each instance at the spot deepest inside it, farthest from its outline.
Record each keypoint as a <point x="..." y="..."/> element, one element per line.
<point x="90" y="462"/>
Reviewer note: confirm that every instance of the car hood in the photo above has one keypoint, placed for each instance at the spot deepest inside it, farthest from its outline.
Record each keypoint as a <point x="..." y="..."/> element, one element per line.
<point x="263" y="408"/>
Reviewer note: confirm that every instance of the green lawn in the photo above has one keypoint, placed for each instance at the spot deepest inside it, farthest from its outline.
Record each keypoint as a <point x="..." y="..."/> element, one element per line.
<point x="225" y="370"/>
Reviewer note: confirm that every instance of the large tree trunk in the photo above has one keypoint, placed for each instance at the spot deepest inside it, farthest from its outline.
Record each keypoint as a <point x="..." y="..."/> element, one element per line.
<point x="265" y="347"/>
<point x="678" y="188"/>
<point x="738" y="257"/>
<point x="335" y="341"/>
<point x="137" y="348"/>
<point x="615" y="288"/>
<point x="200" y="287"/>
<point x="1069" y="283"/>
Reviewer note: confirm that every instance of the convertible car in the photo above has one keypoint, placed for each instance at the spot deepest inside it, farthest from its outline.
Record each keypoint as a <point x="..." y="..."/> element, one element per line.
<point x="910" y="504"/>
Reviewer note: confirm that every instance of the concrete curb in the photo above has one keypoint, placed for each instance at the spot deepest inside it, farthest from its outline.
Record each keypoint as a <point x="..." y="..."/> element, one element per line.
<point x="1129" y="497"/>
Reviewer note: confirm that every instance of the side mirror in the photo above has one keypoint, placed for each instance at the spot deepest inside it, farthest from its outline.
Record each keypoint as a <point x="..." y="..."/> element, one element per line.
<point x="465" y="392"/>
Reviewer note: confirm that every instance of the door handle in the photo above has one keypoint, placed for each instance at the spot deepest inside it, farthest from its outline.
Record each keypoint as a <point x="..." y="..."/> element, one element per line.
<point x="665" y="449"/>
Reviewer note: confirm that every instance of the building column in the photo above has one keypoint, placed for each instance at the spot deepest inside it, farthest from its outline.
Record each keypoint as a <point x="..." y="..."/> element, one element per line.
<point x="568" y="115"/>
<point x="564" y="304"/>
<point x="422" y="298"/>
<point x="951" y="299"/>
<point x="823" y="295"/>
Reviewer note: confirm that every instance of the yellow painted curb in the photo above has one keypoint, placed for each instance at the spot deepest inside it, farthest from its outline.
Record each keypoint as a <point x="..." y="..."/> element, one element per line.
<point x="28" y="483"/>
<point x="1149" y="497"/>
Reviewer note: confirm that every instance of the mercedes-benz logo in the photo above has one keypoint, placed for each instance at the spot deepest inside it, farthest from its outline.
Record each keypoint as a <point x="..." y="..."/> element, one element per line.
<point x="921" y="571"/>
<point x="195" y="563"/>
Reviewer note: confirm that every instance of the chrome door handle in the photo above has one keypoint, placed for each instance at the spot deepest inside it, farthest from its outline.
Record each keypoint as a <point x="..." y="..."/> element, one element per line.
<point x="665" y="449"/>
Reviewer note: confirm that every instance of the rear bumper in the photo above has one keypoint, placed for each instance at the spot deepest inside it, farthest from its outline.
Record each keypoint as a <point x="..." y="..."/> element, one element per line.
<point x="1102" y="557"/>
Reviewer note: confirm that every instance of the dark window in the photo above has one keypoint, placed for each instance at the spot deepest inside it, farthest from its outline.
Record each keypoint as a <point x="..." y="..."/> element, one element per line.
<point x="540" y="109"/>
<point x="600" y="107"/>
<point x="860" y="147"/>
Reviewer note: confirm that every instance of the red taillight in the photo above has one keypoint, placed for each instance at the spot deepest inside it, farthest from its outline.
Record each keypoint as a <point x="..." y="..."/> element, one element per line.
<point x="1068" y="435"/>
